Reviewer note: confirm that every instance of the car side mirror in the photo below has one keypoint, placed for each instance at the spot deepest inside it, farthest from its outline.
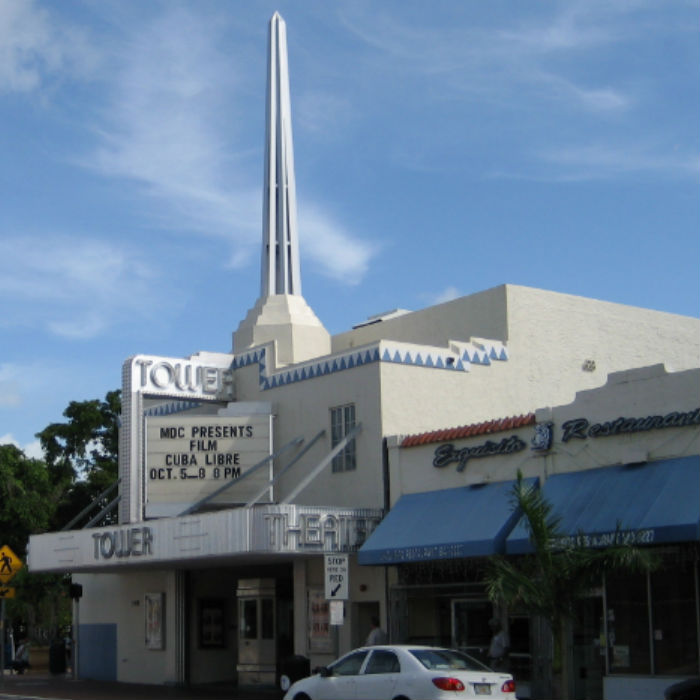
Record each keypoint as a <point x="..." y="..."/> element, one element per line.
<point x="324" y="671"/>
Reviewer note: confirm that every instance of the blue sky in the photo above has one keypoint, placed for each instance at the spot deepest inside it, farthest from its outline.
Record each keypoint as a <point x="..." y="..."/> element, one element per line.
<point x="441" y="148"/>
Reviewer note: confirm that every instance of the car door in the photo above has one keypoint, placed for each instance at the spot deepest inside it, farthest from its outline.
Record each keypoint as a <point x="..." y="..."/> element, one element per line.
<point x="379" y="676"/>
<point x="341" y="683"/>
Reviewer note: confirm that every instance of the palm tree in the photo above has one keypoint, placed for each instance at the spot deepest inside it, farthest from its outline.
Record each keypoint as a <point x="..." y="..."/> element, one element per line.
<point x="549" y="581"/>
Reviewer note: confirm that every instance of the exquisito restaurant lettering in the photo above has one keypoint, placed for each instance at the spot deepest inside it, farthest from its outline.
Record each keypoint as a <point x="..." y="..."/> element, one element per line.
<point x="582" y="428"/>
<point x="447" y="454"/>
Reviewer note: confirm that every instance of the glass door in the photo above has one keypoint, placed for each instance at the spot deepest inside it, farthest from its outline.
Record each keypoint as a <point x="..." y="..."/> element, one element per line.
<point x="470" y="627"/>
<point x="257" y="652"/>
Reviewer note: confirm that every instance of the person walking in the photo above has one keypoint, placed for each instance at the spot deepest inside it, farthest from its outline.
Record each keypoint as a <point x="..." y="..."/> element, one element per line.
<point x="21" y="661"/>
<point x="376" y="634"/>
<point x="498" y="649"/>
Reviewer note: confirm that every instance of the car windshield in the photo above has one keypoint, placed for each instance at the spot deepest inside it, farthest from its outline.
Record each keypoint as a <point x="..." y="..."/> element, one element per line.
<point x="444" y="659"/>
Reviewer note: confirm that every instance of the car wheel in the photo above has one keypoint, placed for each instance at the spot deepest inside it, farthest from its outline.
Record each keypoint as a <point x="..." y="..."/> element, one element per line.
<point x="301" y="696"/>
<point x="401" y="697"/>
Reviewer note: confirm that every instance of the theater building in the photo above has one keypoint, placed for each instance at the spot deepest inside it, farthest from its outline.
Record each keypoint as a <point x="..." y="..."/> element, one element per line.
<point x="250" y="479"/>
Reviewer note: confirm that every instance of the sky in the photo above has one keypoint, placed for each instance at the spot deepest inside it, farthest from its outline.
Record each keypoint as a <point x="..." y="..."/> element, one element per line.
<point x="441" y="149"/>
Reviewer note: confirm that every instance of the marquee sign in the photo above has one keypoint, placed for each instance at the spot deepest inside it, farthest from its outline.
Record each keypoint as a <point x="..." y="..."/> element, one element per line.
<point x="191" y="457"/>
<point x="189" y="377"/>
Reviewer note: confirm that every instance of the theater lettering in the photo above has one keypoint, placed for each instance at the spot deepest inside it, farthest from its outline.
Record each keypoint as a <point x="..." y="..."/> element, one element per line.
<point x="122" y="543"/>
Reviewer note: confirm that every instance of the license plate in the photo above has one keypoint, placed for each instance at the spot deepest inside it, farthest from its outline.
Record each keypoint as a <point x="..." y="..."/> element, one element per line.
<point x="482" y="688"/>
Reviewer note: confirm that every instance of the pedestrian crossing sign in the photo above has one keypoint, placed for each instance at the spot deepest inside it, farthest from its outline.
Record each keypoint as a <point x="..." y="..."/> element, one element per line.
<point x="10" y="564"/>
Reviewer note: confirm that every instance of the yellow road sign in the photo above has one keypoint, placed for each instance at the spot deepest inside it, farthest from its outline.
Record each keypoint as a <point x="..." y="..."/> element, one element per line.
<point x="6" y="592"/>
<point x="10" y="564"/>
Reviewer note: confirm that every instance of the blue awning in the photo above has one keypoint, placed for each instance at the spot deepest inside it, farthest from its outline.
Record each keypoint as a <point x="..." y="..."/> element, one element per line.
<point x="650" y="503"/>
<point x="469" y="521"/>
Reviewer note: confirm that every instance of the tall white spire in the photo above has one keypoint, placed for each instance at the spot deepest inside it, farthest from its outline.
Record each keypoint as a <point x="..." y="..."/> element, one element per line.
<point x="280" y="253"/>
<point x="281" y="315"/>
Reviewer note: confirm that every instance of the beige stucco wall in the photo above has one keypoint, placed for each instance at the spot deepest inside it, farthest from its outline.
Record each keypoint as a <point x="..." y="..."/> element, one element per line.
<point x="119" y="599"/>
<point x="303" y="409"/>
<point x="552" y="341"/>
<point x="549" y="337"/>
<point x="635" y="393"/>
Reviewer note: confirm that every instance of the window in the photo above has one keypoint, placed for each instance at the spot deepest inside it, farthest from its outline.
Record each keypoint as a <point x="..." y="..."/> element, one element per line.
<point x="674" y="621"/>
<point x="628" y="624"/>
<point x="342" y="422"/>
<point x="652" y="620"/>
<point x="349" y="665"/>
<point x="383" y="662"/>
<point x="212" y="624"/>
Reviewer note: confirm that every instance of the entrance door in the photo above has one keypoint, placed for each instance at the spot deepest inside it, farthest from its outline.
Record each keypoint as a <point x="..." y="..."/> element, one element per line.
<point x="470" y="627"/>
<point x="589" y="653"/>
<point x="257" y="654"/>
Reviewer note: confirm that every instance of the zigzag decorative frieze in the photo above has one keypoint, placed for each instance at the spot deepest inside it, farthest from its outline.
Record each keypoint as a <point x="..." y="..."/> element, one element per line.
<point x="167" y="409"/>
<point x="458" y="358"/>
<point x="480" y="352"/>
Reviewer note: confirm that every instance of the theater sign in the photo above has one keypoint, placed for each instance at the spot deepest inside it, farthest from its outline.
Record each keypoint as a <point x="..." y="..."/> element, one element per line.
<point x="221" y="458"/>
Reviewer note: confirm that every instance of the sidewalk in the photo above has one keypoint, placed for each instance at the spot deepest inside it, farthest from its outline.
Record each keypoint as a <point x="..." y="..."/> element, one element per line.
<point x="38" y="684"/>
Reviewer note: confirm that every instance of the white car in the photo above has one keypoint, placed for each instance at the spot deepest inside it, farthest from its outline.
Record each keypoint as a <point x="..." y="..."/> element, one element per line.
<point x="403" y="672"/>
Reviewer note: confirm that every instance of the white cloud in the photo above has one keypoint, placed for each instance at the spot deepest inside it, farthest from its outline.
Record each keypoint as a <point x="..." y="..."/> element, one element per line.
<point x="602" y="161"/>
<point x="32" y="449"/>
<point x="34" y="47"/>
<point x="75" y="286"/>
<point x="170" y="126"/>
<point x="447" y="294"/>
<point x="9" y="386"/>
<point x="163" y="126"/>
<point x="323" y="113"/>
<point x="336" y="253"/>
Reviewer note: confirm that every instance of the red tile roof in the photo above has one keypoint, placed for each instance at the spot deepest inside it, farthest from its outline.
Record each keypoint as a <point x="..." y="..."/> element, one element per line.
<point x="465" y="431"/>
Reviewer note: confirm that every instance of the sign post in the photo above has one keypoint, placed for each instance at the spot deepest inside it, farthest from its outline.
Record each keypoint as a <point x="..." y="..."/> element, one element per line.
<point x="337" y="577"/>
<point x="10" y="564"/>
<point x="336" y="566"/>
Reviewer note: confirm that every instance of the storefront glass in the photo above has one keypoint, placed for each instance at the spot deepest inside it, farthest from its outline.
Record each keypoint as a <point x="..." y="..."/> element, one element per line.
<point x="653" y="619"/>
<point x="628" y="624"/>
<point x="674" y="615"/>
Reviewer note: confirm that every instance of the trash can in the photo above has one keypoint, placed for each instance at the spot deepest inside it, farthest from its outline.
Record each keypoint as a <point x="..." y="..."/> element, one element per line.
<point x="293" y="668"/>
<point x="57" y="656"/>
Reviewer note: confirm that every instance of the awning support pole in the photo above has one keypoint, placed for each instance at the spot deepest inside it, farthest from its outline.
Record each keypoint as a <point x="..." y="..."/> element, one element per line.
<point x="322" y="465"/>
<point x="262" y="462"/>
<point x="285" y="469"/>
<point x="92" y="505"/>
<point x="104" y="511"/>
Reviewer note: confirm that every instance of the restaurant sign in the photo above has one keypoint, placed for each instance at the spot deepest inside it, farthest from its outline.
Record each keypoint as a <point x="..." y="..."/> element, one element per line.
<point x="582" y="428"/>
<point x="447" y="454"/>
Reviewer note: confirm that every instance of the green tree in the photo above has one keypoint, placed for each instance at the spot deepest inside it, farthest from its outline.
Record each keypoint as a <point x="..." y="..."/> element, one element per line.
<point x="82" y="455"/>
<point x="549" y="581"/>
<point x="27" y="506"/>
